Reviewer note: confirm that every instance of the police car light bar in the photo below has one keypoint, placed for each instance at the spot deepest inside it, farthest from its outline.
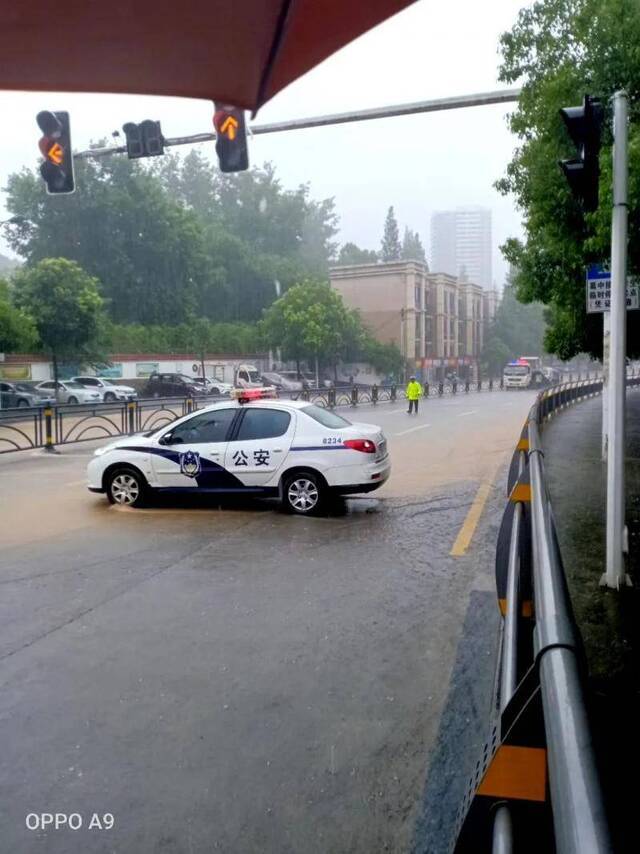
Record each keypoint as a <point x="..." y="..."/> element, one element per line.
<point x="244" y="395"/>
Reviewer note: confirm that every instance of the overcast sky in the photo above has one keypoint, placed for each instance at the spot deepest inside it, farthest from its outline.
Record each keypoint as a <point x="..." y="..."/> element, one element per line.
<point x="417" y="163"/>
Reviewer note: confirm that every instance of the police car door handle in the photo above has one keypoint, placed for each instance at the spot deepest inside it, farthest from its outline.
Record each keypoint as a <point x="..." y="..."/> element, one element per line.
<point x="277" y="450"/>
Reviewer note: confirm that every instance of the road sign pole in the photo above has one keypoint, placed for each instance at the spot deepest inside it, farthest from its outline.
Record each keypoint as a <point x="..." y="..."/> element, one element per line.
<point x="614" y="575"/>
<point x="606" y="341"/>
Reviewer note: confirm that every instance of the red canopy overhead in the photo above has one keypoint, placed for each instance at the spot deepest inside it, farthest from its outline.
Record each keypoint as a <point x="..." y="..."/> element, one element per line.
<point x="239" y="51"/>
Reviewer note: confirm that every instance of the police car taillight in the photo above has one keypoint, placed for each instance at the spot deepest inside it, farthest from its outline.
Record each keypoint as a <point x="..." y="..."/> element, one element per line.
<point x="244" y="395"/>
<point x="366" y="446"/>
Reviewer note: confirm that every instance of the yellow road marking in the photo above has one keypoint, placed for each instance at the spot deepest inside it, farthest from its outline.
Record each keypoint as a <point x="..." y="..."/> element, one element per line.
<point x="470" y="524"/>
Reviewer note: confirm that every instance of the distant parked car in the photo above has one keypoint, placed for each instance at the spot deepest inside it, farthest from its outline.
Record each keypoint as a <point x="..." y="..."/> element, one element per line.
<point x="67" y="392"/>
<point x="18" y="394"/>
<point x="215" y="387"/>
<point x="109" y="391"/>
<point x="173" y="385"/>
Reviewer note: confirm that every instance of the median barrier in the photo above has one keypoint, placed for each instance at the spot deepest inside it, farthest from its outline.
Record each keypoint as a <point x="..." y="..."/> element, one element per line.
<point x="536" y="785"/>
<point x="39" y="427"/>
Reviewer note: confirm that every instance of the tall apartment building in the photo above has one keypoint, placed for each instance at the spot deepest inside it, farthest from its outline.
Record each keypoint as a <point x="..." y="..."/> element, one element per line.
<point x="461" y="244"/>
<point x="436" y="320"/>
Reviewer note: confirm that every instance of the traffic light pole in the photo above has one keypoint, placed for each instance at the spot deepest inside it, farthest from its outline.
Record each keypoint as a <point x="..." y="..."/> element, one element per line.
<point x="455" y="102"/>
<point x="614" y="575"/>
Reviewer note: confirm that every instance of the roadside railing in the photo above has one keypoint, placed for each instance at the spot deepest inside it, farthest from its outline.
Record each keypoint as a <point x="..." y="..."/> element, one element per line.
<point x="26" y="428"/>
<point x="536" y="785"/>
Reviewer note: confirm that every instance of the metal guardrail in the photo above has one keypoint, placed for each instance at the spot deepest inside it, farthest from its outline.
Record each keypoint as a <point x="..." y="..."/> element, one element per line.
<point x="26" y="428"/>
<point x="536" y="786"/>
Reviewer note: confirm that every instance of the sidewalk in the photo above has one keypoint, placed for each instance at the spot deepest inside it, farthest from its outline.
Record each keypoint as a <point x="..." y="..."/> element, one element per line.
<point x="608" y="620"/>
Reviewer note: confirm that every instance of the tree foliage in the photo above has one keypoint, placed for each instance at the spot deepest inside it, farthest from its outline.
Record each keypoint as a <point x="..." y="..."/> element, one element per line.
<point x="17" y="330"/>
<point x="517" y="330"/>
<point x="560" y="49"/>
<point x="390" y="249"/>
<point x="312" y="322"/>
<point x="412" y="248"/>
<point x="177" y="240"/>
<point x="228" y="338"/>
<point x="350" y="253"/>
<point x="65" y="306"/>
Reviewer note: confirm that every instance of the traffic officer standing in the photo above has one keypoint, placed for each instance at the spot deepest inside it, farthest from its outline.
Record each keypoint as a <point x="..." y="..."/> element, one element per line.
<point x="414" y="390"/>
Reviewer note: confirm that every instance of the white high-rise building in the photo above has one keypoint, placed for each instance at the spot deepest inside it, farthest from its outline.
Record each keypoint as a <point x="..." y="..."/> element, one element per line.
<point x="461" y="244"/>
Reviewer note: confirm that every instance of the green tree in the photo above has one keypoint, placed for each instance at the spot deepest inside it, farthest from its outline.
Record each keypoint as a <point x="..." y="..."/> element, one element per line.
<point x="311" y="322"/>
<point x="390" y="248"/>
<point x="17" y="330"/>
<point x="350" y="253"/>
<point x="148" y="252"/>
<point x="558" y="50"/>
<point x="66" y="307"/>
<point x="385" y="358"/>
<point x="178" y="239"/>
<point x="517" y="330"/>
<point x="495" y="355"/>
<point x="230" y="338"/>
<point x="412" y="248"/>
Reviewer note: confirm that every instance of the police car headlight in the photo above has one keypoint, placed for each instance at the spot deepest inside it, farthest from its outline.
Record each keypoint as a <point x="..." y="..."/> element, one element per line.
<point x="100" y="451"/>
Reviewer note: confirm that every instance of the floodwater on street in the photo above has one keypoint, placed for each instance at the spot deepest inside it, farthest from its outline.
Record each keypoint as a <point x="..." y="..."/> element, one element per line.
<point x="220" y="676"/>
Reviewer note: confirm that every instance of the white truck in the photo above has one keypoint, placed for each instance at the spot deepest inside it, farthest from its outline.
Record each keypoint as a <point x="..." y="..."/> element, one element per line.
<point x="247" y="376"/>
<point x="524" y="372"/>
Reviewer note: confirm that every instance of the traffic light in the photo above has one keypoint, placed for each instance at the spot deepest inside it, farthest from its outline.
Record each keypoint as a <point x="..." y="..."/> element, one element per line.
<point x="55" y="145"/>
<point x="584" y="124"/>
<point x="231" y="138"/>
<point x="144" y="139"/>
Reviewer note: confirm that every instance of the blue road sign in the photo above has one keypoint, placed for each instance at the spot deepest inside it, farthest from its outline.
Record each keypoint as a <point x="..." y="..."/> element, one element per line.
<point x="599" y="289"/>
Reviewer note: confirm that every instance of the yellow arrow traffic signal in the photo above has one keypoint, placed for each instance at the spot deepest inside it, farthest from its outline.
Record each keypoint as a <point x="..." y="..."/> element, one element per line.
<point x="229" y="127"/>
<point x="56" y="154"/>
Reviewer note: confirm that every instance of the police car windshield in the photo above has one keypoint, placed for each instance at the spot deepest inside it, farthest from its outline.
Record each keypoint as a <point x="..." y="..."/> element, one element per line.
<point x="325" y="417"/>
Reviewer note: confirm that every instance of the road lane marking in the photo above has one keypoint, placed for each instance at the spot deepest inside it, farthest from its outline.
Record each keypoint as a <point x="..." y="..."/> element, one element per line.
<point x="413" y="429"/>
<point x="470" y="412"/>
<point x="470" y="524"/>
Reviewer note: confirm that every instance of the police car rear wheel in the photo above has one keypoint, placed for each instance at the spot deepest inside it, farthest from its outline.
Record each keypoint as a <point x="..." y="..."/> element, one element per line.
<point x="126" y="487"/>
<point x="303" y="493"/>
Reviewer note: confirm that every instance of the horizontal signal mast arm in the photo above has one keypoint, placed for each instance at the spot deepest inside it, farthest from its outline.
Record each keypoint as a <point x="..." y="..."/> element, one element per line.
<point x="455" y="102"/>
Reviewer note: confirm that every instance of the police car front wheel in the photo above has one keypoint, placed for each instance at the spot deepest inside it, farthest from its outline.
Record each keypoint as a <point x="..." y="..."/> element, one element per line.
<point x="303" y="493"/>
<point x="126" y="487"/>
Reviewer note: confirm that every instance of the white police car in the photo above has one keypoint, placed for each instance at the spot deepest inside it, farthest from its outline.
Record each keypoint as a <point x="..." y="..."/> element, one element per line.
<point x="252" y="444"/>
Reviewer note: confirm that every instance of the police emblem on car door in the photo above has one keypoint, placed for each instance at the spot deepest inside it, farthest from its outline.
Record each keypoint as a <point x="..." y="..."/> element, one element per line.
<point x="191" y="453"/>
<point x="190" y="463"/>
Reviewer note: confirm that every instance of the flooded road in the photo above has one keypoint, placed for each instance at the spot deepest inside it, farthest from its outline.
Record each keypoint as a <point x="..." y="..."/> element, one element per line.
<point x="230" y="678"/>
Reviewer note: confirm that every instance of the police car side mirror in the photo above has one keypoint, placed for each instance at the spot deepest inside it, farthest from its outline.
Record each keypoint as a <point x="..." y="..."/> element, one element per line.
<point x="167" y="439"/>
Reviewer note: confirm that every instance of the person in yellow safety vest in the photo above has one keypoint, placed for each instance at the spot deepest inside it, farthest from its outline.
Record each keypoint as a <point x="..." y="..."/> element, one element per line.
<point x="414" y="391"/>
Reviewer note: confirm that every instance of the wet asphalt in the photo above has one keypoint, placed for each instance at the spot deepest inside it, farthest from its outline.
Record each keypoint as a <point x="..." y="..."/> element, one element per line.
<point x="225" y="677"/>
